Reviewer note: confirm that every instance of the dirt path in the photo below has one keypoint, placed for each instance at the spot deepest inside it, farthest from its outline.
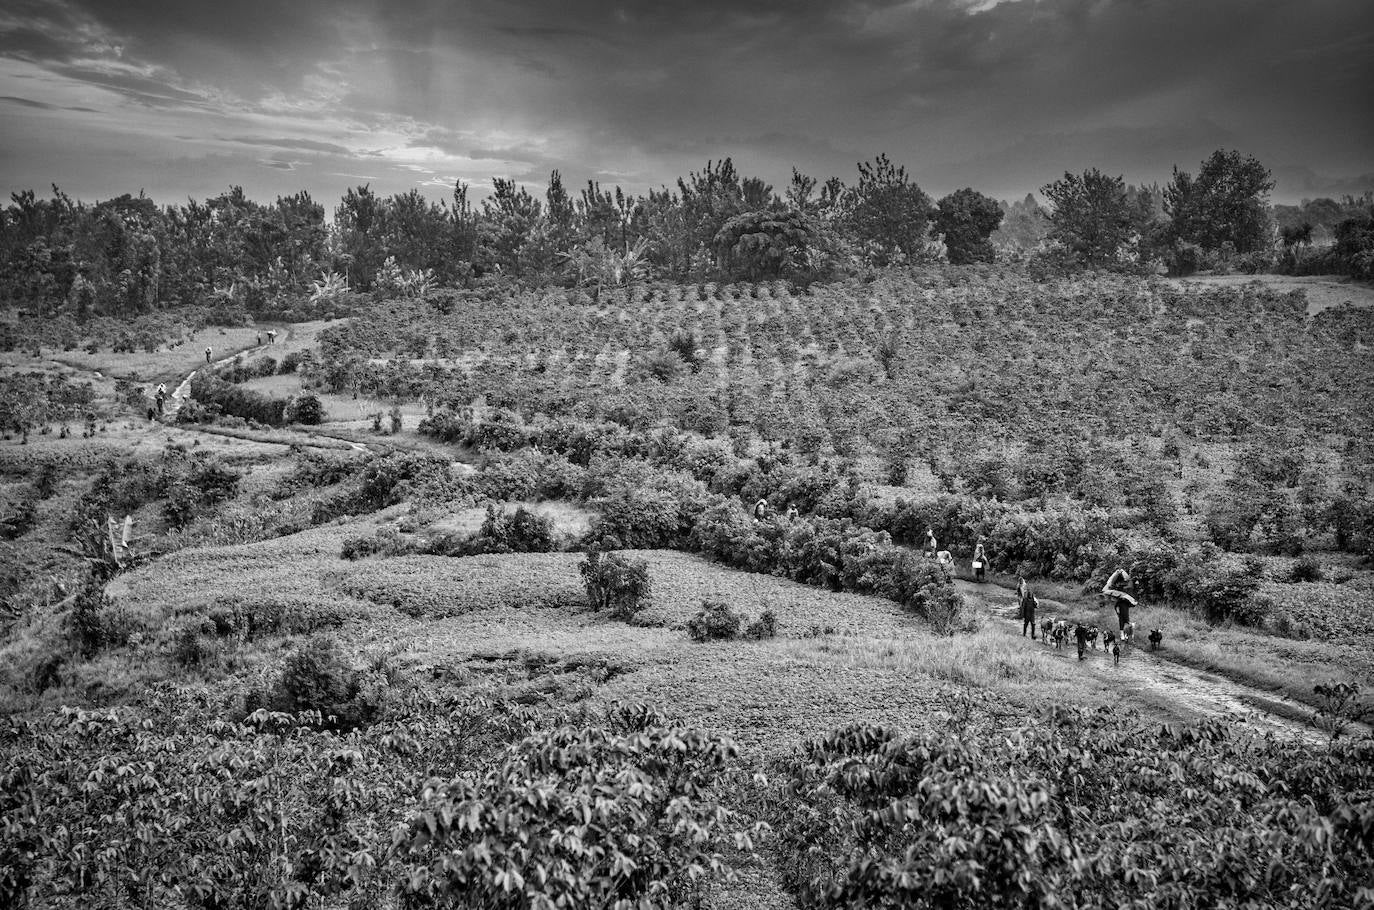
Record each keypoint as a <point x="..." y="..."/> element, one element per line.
<point x="1139" y="673"/>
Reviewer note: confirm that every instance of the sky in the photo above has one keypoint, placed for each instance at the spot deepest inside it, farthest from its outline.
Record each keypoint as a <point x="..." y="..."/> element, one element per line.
<point x="184" y="98"/>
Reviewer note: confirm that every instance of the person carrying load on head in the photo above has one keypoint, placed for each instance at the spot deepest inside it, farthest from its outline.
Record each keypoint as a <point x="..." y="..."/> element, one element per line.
<point x="980" y="562"/>
<point x="1028" y="605"/>
<point x="761" y="510"/>
<point x="1122" y="601"/>
<point x="945" y="560"/>
<point x="161" y="397"/>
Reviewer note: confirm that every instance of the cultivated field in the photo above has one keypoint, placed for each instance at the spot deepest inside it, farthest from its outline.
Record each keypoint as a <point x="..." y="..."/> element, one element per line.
<point x="518" y="549"/>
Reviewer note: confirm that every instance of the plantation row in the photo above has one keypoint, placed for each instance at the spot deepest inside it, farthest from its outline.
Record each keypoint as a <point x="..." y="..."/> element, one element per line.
<point x="1112" y="356"/>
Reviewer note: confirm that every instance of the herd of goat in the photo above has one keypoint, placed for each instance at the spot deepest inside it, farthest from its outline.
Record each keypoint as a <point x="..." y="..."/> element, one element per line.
<point x="1058" y="631"/>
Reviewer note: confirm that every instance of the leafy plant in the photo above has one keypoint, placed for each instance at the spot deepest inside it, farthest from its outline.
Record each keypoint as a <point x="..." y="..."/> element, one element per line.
<point x="714" y="622"/>
<point x="615" y="584"/>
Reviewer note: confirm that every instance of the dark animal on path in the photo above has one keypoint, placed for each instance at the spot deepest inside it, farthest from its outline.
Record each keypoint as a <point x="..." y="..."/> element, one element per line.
<point x="1156" y="638"/>
<point x="1116" y="654"/>
<point x="1046" y="630"/>
<point x="1108" y="640"/>
<point x="1061" y="633"/>
<point x="1093" y="632"/>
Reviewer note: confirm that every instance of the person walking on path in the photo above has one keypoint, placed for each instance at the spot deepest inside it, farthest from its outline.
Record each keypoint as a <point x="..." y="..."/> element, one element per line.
<point x="930" y="548"/>
<point x="1080" y="633"/>
<point x="161" y="397"/>
<point x="207" y="353"/>
<point x="980" y="562"/>
<point x="1028" y="605"/>
<point x="271" y="336"/>
<point x="1123" y="601"/>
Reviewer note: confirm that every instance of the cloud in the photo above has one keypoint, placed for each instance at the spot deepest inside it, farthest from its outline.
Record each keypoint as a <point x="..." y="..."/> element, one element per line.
<point x="996" y="95"/>
<point x="304" y="145"/>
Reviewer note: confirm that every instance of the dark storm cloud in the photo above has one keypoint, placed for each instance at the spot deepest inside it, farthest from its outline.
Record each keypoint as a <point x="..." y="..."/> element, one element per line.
<point x="998" y="95"/>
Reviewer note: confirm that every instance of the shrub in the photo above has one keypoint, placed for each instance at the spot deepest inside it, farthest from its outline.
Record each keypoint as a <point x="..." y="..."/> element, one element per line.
<point x="521" y="532"/>
<point x="766" y="626"/>
<point x="714" y="622"/>
<point x="1307" y="569"/>
<point x="317" y="677"/>
<point x="385" y="542"/>
<point x="1230" y="596"/>
<point x="305" y="408"/>
<point x="615" y="584"/>
<point x="220" y="397"/>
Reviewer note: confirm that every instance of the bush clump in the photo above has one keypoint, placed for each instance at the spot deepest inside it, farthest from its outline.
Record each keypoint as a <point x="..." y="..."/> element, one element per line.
<point x="766" y="626"/>
<point x="1307" y="569"/>
<point x="305" y="408"/>
<point x="714" y="622"/>
<point x="522" y="531"/>
<point x="615" y="584"/>
<point x="317" y="677"/>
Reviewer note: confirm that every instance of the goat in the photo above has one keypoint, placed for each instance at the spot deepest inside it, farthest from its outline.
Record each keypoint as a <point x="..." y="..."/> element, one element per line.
<point x="1156" y="638"/>
<point x="1093" y="632"/>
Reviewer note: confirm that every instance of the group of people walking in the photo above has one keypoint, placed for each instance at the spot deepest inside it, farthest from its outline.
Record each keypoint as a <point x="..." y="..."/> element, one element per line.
<point x="1121" y="601"/>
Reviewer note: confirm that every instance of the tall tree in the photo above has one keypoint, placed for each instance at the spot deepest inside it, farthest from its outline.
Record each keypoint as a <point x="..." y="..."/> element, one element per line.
<point x="1090" y="215"/>
<point x="1225" y="204"/>
<point x="887" y="211"/>
<point x="967" y="218"/>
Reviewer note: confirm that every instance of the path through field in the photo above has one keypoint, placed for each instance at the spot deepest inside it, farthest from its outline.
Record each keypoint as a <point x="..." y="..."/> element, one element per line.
<point x="1142" y="674"/>
<point x="183" y="389"/>
<point x="1323" y="291"/>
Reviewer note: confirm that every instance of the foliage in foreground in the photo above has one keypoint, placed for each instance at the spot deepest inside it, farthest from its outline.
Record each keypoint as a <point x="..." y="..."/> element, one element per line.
<point x="580" y="818"/>
<point x="108" y="809"/>
<point x="1082" y="811"/>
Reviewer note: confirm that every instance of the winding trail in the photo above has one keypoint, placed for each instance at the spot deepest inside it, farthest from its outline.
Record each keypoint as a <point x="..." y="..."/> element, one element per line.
<point x="183" y="390"/>
<point x="1139" y="672"/>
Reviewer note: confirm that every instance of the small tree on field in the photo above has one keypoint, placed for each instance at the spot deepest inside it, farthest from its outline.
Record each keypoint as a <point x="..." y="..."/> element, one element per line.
<point x="304" y="408"/>
<point x="967" y="218"/>
<point x="615" y="583"/>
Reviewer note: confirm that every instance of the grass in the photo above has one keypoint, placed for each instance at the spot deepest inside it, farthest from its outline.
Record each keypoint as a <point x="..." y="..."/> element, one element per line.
<point x="165" y="364"/>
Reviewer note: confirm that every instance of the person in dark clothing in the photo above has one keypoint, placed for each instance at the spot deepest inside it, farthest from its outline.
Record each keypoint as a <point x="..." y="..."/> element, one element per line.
<point x="1080" y="634"/>
<point x="1123" y="613"/>
<point x="207" y="355"/>
<point x="1028" y="605"/>
<point x="980" y="562"/>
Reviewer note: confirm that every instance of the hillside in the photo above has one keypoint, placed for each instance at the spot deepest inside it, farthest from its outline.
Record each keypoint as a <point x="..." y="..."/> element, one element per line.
<point x="414" y="568"/>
